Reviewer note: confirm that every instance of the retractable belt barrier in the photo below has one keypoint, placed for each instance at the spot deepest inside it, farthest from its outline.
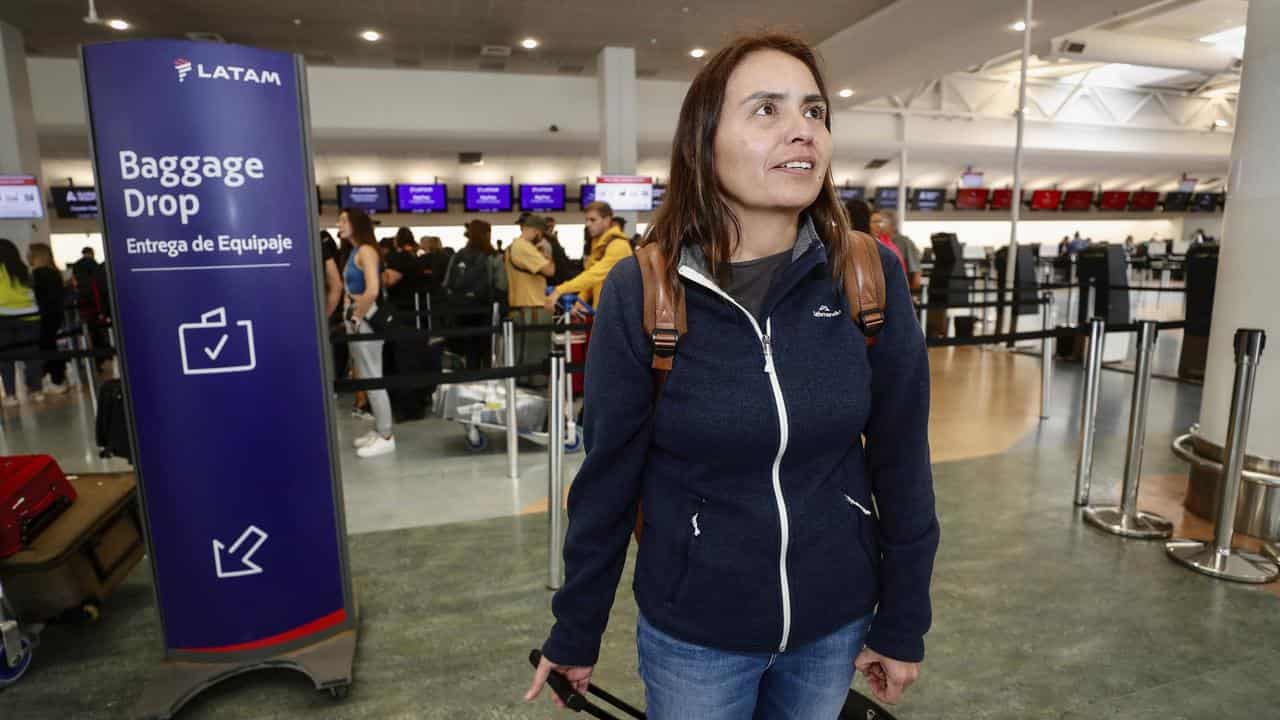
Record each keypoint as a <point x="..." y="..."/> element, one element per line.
<point x="406" y="333"/>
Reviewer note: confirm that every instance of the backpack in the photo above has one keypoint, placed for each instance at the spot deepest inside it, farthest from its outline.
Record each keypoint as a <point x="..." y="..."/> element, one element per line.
<point x="665" y="320"/>
<point x="470" y="277"/>
<point x="498" y="275"/>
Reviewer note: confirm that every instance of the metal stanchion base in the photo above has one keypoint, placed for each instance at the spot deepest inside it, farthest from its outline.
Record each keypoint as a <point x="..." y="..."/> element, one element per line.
<point x="1272" y="551"/>
<point x="1236" y="564"/>
<point x="1142" y="525"/>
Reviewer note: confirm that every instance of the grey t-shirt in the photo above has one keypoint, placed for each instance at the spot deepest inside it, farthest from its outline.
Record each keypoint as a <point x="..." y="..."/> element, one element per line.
<point x="749" y="281"/>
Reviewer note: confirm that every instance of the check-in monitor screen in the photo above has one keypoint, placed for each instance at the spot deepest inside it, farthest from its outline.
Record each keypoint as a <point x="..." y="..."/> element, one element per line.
<point x="370" y="198"/>
<point x="929" y="198"/>
<point x="542" y="198"/>
<point x="75" y="202"/>
<point x="20" y="198"/>
<point x="971" y="198"/>
<point x="488" y="198"/>
<point x="886" y="198"/>
<point x="431" y="198"/>
<point x="1114" y="200"/>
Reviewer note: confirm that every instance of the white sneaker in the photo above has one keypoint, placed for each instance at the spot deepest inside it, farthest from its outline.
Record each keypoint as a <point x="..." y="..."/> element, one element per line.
<point x="56" y="389"/>
<point x="378" y="446"/>
<point x="9" y="401"/>
<point x="36" y="397"/>
<point x="365" y="439"/>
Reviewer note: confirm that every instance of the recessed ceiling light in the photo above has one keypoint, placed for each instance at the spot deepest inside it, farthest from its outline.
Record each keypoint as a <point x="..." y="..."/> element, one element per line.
<point x="371" y="35"/>
<point x="1018" y="26"/>
<point x="697" y="53"/>
<point x="1220" y="123"/>
<point x="529" y="44"/>
<point x="118" y="24"/>
<point x="846" y="93"/>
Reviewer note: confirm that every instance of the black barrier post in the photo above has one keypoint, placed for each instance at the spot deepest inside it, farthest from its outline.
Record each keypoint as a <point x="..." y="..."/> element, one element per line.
<point x="1048" y="348"/>
<point x="1089" y="411"/>
<point x="1126" y="519"/>
<point x="1219" y="559"/>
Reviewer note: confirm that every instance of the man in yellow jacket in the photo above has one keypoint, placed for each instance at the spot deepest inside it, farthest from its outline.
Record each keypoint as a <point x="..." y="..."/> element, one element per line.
<point x="609" y="245"/>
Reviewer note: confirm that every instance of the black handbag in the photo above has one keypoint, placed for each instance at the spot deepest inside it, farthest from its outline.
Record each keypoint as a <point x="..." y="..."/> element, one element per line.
<point x="384" y="318"/>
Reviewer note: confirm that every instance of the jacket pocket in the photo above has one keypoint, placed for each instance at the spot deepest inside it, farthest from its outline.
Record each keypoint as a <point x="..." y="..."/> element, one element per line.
<point x="692" y="536"/>
<point x="864" y="520"/>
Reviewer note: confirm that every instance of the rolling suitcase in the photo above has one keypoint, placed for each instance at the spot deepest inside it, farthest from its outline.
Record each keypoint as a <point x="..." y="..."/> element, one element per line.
<point x="33" y="493"/>
<point x="82" y="556"/>
<point x="112" y="424"/>
<point x="856" y="705"/>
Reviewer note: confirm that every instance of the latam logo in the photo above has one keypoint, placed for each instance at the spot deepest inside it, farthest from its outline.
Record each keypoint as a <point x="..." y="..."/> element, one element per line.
<point x="227" y="72"/>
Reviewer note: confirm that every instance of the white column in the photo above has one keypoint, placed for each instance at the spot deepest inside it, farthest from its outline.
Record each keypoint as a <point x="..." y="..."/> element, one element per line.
<point x="19" y="150"/>
<point x="616" y="77"/>
<point x="1247" y="293"/>
<point x="1015" y="208"/>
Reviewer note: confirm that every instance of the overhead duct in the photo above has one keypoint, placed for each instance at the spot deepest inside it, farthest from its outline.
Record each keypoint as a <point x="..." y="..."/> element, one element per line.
<point x="1112" y="47"/>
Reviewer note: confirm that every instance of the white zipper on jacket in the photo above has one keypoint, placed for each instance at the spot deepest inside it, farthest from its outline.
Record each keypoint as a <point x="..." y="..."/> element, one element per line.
<point x="784" y="432"/>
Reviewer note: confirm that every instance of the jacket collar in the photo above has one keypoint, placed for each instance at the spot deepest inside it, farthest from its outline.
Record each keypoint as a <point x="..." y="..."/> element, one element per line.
<point x="806" y="238"/>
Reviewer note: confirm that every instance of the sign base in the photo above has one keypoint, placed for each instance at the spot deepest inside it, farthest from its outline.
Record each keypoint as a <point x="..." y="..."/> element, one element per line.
<point x="328" y="663"/>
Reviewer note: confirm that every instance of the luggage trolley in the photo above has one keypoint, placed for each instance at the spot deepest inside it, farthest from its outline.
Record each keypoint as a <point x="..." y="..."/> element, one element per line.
<point x="70" y="568"/>
<point x="482" y="406"/>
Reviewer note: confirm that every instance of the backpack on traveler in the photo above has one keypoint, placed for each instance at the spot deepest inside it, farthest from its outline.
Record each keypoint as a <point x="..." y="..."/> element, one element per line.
<point x="469" y="278"/>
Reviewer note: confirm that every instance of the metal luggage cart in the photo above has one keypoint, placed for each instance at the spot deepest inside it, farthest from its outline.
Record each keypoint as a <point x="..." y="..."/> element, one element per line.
<point x="70" y="568"/>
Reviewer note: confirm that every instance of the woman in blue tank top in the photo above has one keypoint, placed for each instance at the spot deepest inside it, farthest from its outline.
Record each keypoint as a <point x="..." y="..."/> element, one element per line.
<point x="360" y="276"/>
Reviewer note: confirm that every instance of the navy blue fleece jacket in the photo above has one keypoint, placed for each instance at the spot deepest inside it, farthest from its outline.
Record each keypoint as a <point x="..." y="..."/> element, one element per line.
<point x="757" y="469"/>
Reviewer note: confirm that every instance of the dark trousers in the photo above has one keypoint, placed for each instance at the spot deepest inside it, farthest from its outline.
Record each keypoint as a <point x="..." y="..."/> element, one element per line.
<point x="50" y="324"/>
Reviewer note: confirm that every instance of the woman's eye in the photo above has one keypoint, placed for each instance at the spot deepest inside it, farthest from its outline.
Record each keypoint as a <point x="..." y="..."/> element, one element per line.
<point x="766" y="109"/>
<point x="817" y="112"/>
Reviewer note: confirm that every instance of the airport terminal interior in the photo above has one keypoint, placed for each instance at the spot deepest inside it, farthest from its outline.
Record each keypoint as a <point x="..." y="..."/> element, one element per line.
<point x="1129" y="148"/>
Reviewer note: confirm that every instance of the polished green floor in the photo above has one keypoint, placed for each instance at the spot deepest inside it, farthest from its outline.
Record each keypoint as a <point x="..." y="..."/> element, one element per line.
<point x="1036" y="616"/>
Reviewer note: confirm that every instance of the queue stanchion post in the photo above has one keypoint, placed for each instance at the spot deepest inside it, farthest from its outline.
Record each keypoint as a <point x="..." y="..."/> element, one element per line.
<point x="924" y="305"/>
<point x="494" y="319"/>
<point x="115" y="356"/>
<point x="1089" y="409"/>
<point x="1048" y="349"/>
<point x="1219" y="558"/>
<point x="1126" y="519"/>
<point x="555" y="471"/>
<point x="88" y="367"/>
<point x="417" y="309"/>
<point x="513" y="431"/>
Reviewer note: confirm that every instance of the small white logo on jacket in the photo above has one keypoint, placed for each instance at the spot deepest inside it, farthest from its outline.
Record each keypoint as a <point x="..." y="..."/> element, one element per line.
<point x="826" y="312"/>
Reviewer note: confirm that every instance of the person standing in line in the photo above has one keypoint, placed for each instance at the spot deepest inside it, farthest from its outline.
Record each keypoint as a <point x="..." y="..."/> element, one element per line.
<point x="564" y="269"/>
<point x="879" y="226"/>
<point x="907" y="249"/>
<point x="363" y="286"/>
<point x="469" y="281"/>
<point x="51" y="298"/>
<point x="19" y="324"/>
<point x="528" y="263"/>
<point x="789" y="527"/>
<point x="609" y="245"/>
<point x="859" y="215"/>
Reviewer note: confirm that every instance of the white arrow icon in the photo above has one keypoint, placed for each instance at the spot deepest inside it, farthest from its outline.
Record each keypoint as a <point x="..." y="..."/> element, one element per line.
<point x="250" y="568"/>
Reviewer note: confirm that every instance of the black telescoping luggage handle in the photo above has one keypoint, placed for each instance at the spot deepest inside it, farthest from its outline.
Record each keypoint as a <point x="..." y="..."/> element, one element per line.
<point x="856" y="706"/>
<point x="576" y="702"/>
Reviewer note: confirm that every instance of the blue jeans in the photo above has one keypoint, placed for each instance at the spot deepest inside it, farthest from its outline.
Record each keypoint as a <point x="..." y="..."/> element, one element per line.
<point x="683" y="681"/>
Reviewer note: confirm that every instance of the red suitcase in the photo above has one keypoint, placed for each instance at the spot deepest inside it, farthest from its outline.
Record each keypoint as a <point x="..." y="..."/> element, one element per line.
<point x="33" y="493"/>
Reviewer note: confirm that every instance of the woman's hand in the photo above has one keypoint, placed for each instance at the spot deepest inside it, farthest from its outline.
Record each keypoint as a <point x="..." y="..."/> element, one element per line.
<point x="551" y="301"/>
<point x="578" y="677"/>
<point x="887" y="677"/>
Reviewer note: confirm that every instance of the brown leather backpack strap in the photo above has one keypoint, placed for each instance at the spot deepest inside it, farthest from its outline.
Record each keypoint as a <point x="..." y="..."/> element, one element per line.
<point x="664" y="316"/>
<point x="864" y="284"/>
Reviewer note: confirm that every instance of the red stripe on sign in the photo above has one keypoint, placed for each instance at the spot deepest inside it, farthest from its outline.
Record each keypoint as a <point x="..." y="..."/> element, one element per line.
<point x="310" y="628"/>
<point x="623" y="179"/>
<point x="17" y="180"/>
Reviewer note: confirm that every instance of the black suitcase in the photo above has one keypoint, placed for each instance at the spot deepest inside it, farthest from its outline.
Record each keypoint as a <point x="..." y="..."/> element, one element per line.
<point x="856" y="706"/>
<point x="112" y="424"/>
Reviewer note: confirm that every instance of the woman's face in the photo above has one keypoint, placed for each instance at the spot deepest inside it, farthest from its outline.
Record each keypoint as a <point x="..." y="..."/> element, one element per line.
<point x="772" y="148"/>
<point x="344" y="227"/>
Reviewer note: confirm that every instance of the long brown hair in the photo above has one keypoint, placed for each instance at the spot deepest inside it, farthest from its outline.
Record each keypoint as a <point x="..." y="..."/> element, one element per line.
<point x="694" y="210"/>
<point x="480" y="237"/>
<point x="361" y="227"/>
